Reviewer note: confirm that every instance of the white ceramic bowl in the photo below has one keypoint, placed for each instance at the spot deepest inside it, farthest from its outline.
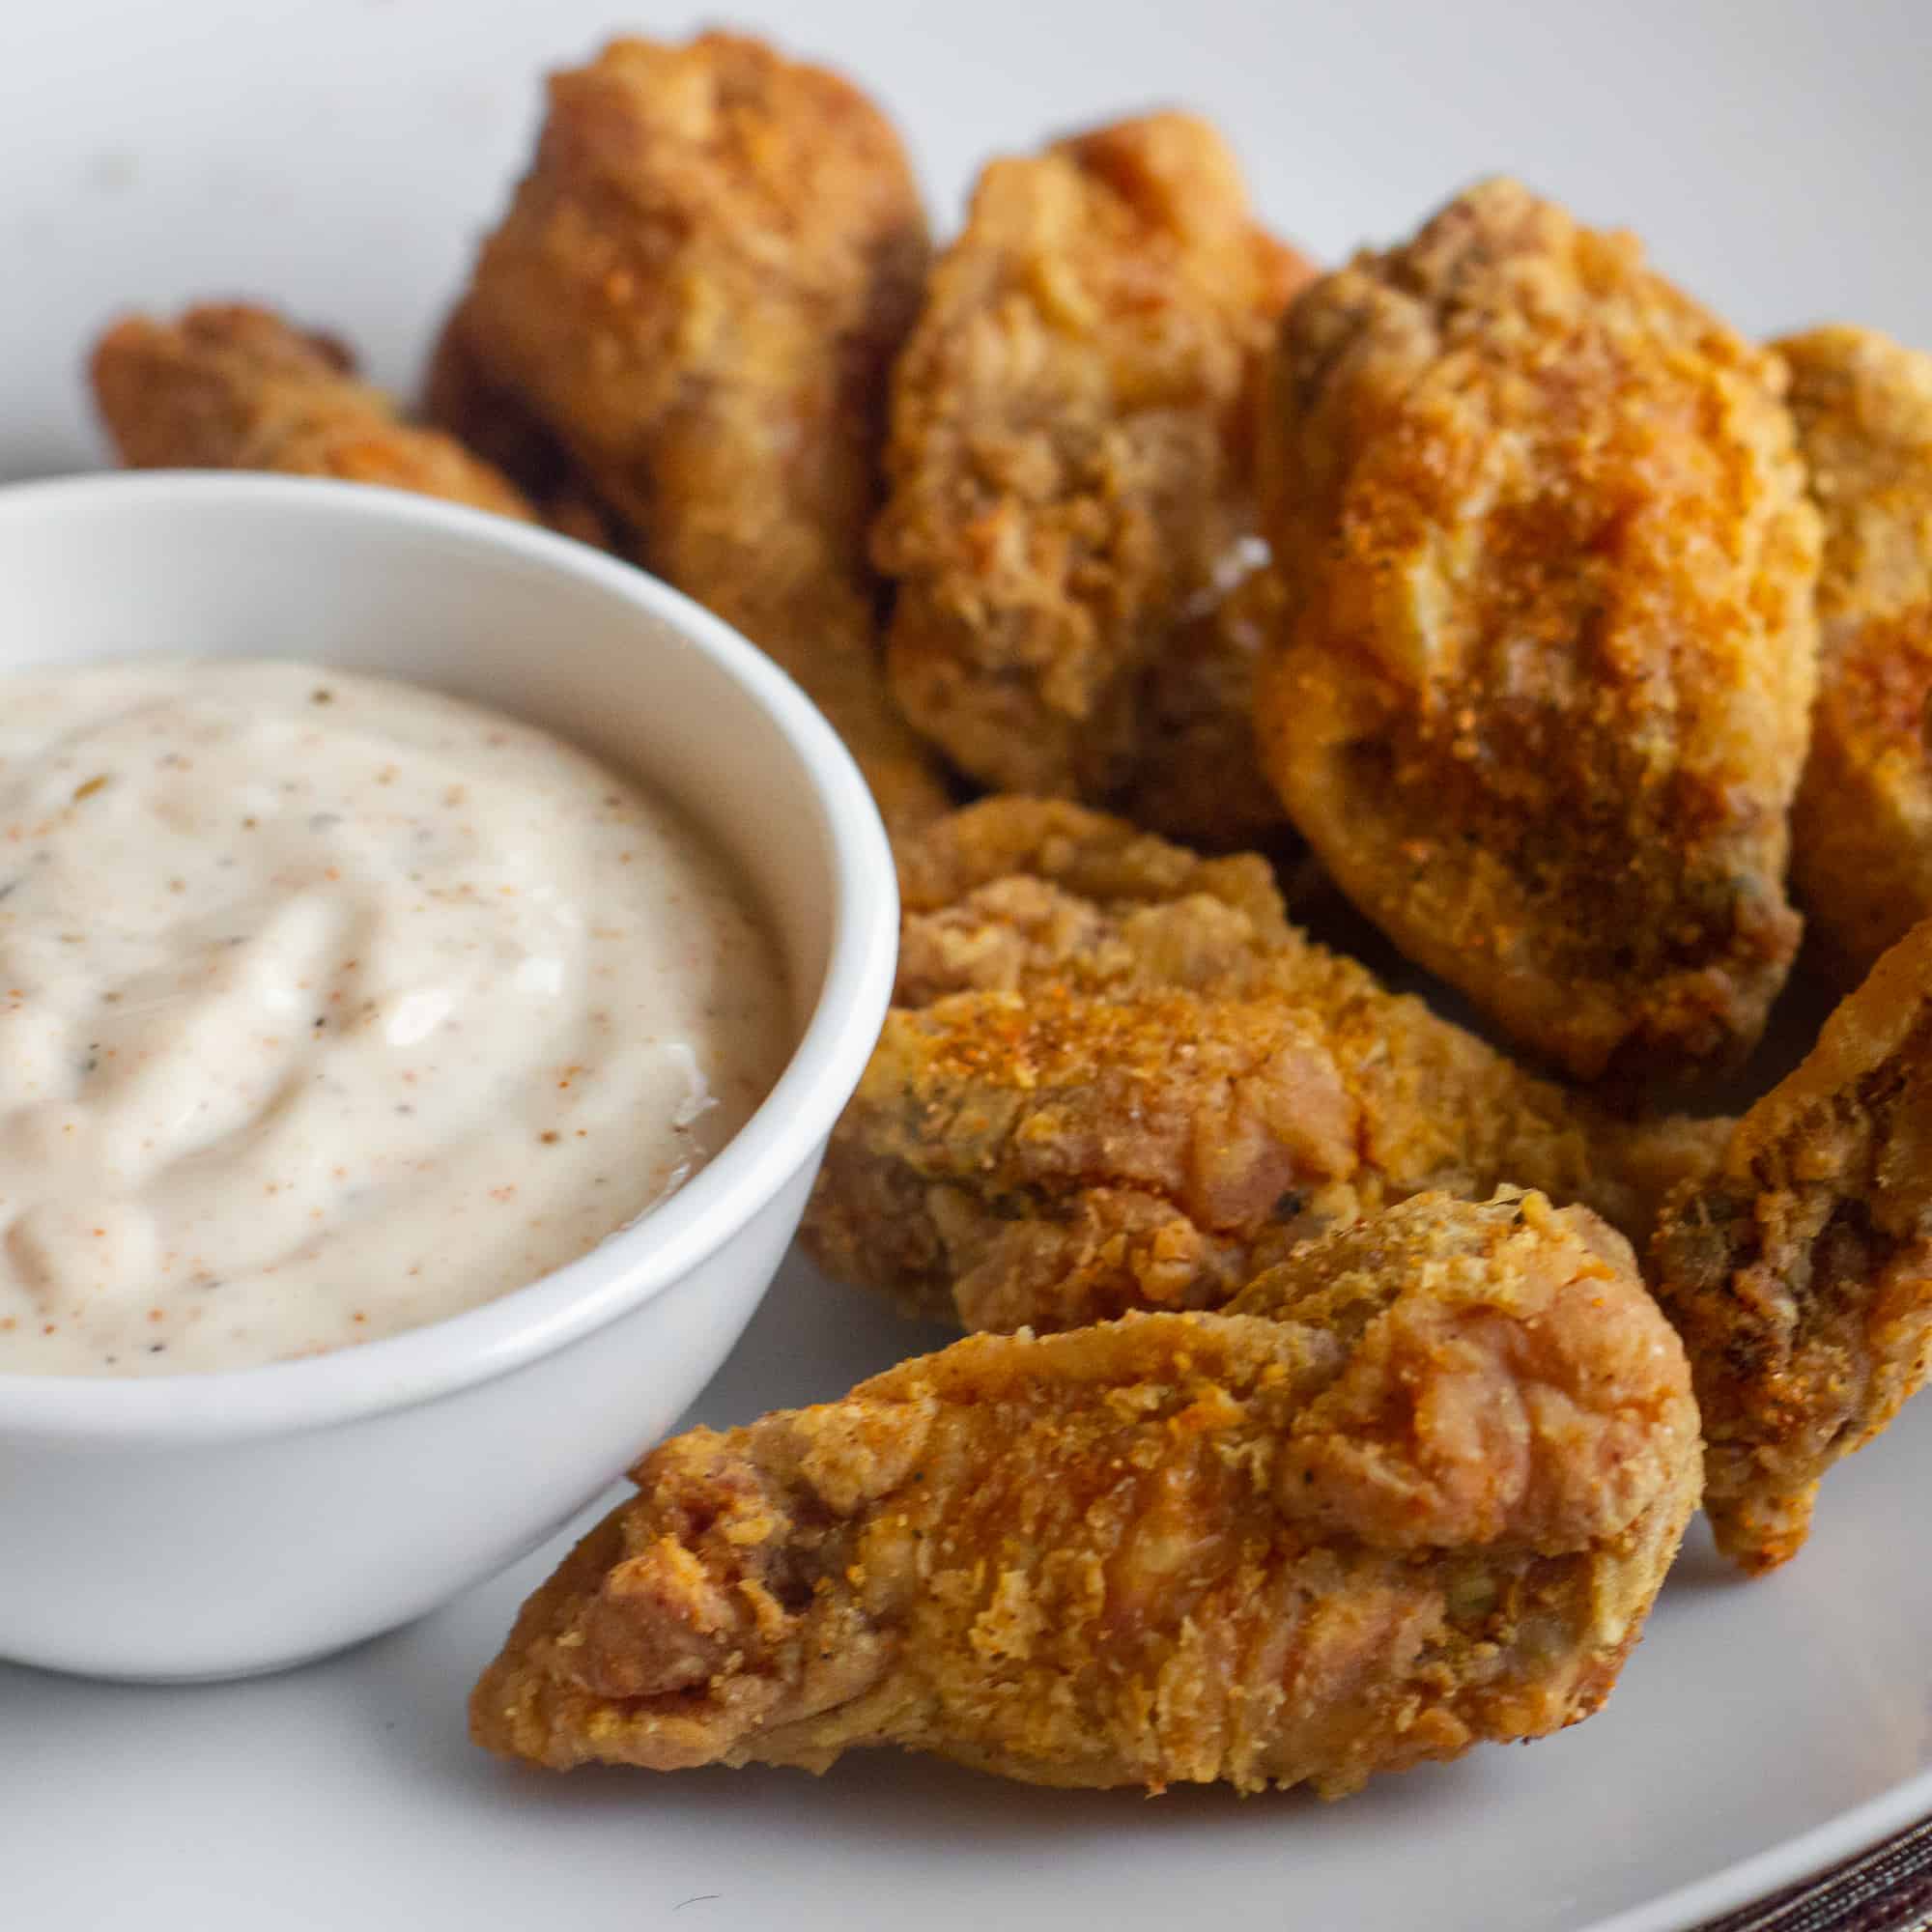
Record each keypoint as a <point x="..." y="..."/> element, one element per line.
<point x="216" y="1524"/>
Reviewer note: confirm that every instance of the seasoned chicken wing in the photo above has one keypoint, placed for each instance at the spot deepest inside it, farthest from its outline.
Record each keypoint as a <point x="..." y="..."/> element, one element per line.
<point x="1862" y="830"/>
<point x="1116" y="1077"/>
<point x="1416" y="1491"/>
<point x="1071" y="478"/>
<point x="235" y="388"/>
<point x="696" y="295"/>
<point x="1541" y="705"/>
<point x="1799" y="1272"/>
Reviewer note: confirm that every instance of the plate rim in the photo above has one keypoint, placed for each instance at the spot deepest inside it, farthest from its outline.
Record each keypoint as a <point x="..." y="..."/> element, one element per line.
<point x="1861" y="1828"/>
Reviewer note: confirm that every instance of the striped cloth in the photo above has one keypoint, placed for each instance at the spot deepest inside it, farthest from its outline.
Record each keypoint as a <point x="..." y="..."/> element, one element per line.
<point x="1887" y="1889"/>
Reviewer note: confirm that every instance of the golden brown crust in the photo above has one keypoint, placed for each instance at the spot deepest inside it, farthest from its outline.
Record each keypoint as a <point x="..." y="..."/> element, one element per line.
<point x="1087" y="853"/>
<point x="1114" y="1076"/>
<point x="230" y="387"/>
<point x="698" y="292"/>
<point x="1420" y="1491"/>
<point x="1070" y="465"/>
<point x="1056" y="1159"/>
<point x="1542" y="705"/>
<point x="1861" y="829"/>
<point x="1800" y="1274"/>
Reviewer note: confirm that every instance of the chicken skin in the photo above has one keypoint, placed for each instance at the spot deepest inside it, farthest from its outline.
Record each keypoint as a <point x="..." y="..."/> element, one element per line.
<point x="234" y="388"/>
<point x="1862" y="830"/>
<point x="1116" y="1077"/>
<point x="696" y="295"/>
<point x="1415" y="1489"/>
<point x="1799" y="1272"/>
<point x="1071" y="492"/>
<point x="1542" y="701"/>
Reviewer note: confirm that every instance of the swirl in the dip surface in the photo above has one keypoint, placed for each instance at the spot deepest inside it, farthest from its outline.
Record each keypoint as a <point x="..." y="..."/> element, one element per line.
<point x="331" y="1007"/>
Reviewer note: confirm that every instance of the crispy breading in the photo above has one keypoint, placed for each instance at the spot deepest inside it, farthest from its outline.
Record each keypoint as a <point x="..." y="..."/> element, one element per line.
<point x="1800" y="1273"/>
<point x="1542" y="702"/>
<point x="1051" y="1160"/>
<point x="1114" y="1076"/>
<point x="1861" y="829"/>
<point x="231" y="387"/>
<point x="697" y="293"/>
<point x="1416" y="1491"/>
<point x="1071" y="475"/>
<point x="1085" y="853"/>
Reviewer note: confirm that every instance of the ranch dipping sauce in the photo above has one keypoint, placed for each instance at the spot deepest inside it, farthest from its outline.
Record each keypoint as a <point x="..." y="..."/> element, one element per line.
<point x="331" y="1007"/>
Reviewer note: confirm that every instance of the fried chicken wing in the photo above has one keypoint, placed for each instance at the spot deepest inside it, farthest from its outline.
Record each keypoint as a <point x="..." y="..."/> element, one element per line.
<point x="1114" y="1076"/>
<point x="1540" y="704"/>
<point x="1416" y="1491"/>
<point x="1071" y="474"/>
<point x="1046" y="1161"/>
<point x="1799" y="1272"/>
<point x="1862" y="830"/>
<point x="696" y="294"/>
<point x="234" y="388"/>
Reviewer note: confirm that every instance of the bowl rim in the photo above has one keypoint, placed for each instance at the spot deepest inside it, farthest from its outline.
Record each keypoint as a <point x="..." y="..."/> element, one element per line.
<point x="638" y="1263"/>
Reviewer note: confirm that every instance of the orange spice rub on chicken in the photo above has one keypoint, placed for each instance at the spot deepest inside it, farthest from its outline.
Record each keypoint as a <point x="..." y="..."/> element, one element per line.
<point x="1541" y="701"/>
<point x="1861" y="829"/>
<point x="230" y="387"/>
<point x="1072" y="479"/>
<point x="1799" y="1272"/>
<point x="1115" y="1077"/>
<point x="1416" y="1489"/>
<point x="696" y="295"/>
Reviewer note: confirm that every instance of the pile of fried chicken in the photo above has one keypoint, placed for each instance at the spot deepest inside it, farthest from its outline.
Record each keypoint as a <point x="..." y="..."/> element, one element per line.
<point x="1340" y="1382"/>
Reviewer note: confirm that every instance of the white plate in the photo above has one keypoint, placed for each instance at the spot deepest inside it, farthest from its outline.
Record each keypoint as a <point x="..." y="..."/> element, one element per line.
<point x="339" y="158"/>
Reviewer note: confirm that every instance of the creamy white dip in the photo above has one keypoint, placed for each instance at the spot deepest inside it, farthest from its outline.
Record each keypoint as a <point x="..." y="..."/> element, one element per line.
<point x="330" y="1007"/>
